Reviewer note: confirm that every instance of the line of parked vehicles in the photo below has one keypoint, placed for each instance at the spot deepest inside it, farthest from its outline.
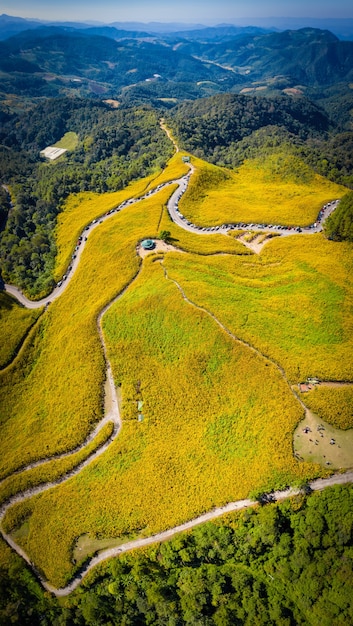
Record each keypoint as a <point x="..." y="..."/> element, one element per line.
<point x="100" y="221"/>
<point x="260" y="227"/>
<point x="222" y="228"/>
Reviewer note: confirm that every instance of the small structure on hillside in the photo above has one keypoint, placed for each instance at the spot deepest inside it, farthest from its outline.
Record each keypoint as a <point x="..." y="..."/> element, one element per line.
<point x="52" y="153"/>
<point x="185" y="159"/>
<point x="148" y="244"/>
<point x="305" y="387"/>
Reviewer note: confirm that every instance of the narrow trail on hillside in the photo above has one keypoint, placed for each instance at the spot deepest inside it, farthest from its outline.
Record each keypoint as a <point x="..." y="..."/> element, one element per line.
<point x="112" y="413"/>
<point x="247" y="344"/>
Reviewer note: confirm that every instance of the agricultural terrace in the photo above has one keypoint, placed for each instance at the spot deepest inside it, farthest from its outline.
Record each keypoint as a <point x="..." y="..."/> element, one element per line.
<point x="208" y="410"/>
<point x="80" y="209"/>
<point x="15" y="323"/>
<point x="277" y="189"/>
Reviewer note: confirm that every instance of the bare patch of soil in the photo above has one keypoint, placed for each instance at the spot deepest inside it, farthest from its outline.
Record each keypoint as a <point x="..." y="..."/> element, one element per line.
<point x="314" y="444"/>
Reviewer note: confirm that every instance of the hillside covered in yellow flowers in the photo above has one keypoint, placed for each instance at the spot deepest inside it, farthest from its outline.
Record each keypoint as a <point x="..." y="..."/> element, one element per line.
<point x="206" y="343"/>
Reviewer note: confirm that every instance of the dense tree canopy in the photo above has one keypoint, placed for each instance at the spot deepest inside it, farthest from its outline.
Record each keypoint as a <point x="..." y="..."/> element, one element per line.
<point x="115" y="147"/>
<point x="339" y="226"/>
<point x="287" y="564"/>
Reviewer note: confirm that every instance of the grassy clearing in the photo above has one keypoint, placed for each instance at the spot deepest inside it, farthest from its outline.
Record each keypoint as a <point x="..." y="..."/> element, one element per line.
<point x="52" y="396"/>
<point x="293" y="302"/>
<point x="87" y="546"/>
<point x="218" y="423"/>
<point x="315" y="446"/>
<point x="69" y="141"/>
<point x="15" y="322"/>
<point x="278" y="190"/>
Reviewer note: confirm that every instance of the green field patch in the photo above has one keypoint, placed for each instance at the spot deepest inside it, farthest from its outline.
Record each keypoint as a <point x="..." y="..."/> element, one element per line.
<point x="69" y="141"/>
<point x="87" y="545"/>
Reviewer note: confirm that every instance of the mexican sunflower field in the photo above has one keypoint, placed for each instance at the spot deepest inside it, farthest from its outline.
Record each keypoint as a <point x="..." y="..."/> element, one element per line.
<point x="204" y="349"/>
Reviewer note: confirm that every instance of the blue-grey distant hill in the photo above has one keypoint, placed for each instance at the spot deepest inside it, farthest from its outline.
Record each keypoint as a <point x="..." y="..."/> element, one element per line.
<point x="47" y="61"/>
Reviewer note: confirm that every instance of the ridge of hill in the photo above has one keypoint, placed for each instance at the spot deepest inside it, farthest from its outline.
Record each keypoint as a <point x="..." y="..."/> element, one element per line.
<point x="307" y="56"/>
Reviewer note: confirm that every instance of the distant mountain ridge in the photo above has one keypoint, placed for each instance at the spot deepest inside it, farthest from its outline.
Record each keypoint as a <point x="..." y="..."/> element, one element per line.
<point x="342" y="28"/>
<point x="47" y="61"/>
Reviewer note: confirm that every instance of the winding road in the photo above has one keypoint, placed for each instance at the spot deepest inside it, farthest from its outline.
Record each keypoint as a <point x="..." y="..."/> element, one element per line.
<point x="111" y="409"/>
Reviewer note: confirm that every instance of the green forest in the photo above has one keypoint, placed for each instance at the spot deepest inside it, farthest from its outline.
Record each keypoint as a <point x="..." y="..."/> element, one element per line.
<point x="339" y="226"/>
<point x="280" y="564"/>
<point x="114" y="148"/>
<point x="226" y="129"/>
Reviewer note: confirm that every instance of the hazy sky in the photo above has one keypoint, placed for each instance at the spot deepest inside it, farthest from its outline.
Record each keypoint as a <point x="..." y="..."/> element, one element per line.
<point x="189" y="11"/>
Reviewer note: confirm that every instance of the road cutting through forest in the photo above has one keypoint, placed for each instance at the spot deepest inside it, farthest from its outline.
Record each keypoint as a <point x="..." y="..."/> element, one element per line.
<point x="111" y="406"/>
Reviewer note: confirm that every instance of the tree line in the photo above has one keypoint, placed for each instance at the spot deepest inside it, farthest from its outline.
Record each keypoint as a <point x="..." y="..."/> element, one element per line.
<point x="284" y="564"/>
<point x="226" y="129"/>
<point x="115" y="147"/>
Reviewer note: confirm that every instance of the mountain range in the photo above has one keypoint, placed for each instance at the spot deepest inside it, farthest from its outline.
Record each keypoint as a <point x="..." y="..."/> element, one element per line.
<point x="103" y="61"/>
<point x="343" y="28"/>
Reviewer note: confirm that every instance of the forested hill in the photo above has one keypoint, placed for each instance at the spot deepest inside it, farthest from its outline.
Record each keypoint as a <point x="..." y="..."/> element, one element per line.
<point x="114" y="146"/>
<point x="226" y="129"/>
<point x="211" y="125"/>
<point x="53" y="60"/>
<point x="94" y="63"/>
<point x="307" y="56"/>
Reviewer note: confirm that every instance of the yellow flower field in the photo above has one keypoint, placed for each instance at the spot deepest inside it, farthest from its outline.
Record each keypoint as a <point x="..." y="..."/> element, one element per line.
<point x="217" y="416"/>
<point x="51" y="470"/>
<point x="201" y="244"/>
<point x="278" y="190"/>
<point x="52" y="396"/>
<point x="218" y="423"/>
<point x="15" y="322"/>
<point x="293" y="302"/>
<point x="80" y="209"/>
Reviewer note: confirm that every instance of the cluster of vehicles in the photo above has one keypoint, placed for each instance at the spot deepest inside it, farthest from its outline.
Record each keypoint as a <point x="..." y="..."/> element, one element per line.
<point x="260" y="227"/>
<point x="100" y="221"/>
<point x="210" y="229"/>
